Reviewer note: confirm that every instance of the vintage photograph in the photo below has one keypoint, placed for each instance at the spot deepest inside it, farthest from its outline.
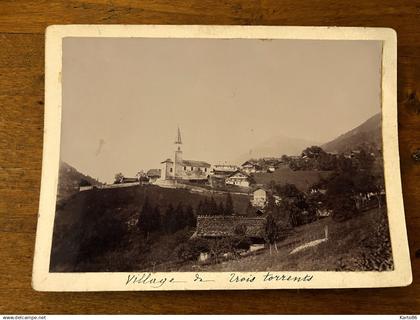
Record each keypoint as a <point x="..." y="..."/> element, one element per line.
<point x="221" y="155"/>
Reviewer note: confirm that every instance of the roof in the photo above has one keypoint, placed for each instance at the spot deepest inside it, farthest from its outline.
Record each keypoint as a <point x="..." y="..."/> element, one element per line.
<point x="167" y="160"/>
<point x="248" y="163"/>
<point x="223" y="172"/>
<point x="129" y="179"/>
<point x="239" y="172"/>
<point x="153" y="173"/>
<point x="195" y="163"/>
<point x="225" y="226"/>
<point x="225" y="166"/>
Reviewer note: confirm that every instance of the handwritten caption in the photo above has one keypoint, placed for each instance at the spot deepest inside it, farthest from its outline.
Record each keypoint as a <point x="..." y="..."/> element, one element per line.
<point x="160" y="281"/>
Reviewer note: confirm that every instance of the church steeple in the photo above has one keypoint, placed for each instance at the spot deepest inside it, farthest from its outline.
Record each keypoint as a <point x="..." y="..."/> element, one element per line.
<point x="178" y="139"/>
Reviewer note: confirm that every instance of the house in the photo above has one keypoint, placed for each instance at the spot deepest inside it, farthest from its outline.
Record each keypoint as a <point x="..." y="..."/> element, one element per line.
<point x="317" y="190"/>
<point x="238" y="178"/>
<point x="85" y="188"/>
<point x="129" y="180"/>
<point x="277" y="199"/>
<point x="259" y="198"/>
<point x="180" y="169"/>
<point x="323" y="212"/>
<point x="153" y="175"/>
<point x="250" y="167"/>
<point x="224" y="169"/>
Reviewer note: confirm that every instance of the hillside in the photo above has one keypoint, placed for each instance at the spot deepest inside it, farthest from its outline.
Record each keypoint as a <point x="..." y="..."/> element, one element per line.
<point x="369" y="132"/>
<point x="69" y="179"/>
<point x="95" y="220"/>
<point x="301" y="179"/>
<point x="360" y="243"/>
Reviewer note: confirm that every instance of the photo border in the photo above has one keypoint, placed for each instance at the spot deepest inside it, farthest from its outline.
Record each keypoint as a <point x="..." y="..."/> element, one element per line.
<point x="43" y="280"/>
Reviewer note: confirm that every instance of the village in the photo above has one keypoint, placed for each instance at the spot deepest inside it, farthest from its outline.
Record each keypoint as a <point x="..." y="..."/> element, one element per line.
<point x="271" y="208"/>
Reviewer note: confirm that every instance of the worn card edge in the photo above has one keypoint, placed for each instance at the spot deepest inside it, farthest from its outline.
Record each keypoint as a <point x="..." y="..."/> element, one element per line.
<point x="43" y="280"/>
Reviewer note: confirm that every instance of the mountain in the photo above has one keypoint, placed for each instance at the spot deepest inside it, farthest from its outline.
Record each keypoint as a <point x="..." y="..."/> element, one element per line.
<point x="69" y="179"/>
<point x="368" y="133"/>
<point x="276" y="147"/>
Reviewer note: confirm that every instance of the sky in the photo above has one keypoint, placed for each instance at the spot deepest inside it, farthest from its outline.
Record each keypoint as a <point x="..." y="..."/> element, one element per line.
<point x="123" y="98"/>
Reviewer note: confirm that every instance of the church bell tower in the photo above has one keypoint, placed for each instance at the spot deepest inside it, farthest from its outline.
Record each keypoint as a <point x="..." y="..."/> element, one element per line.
<point x="178" y="156"/>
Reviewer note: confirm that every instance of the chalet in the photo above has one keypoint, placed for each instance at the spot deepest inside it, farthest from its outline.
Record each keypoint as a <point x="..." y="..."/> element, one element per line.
<point x="250" y="167"/>
<point x="153" y="175"/>
<point x="224" y="169"/>
<point x="122" y="180"/>
<point x="259" y="198"/>
<point x="238" y="178"/>
<point x="128" y="180"/>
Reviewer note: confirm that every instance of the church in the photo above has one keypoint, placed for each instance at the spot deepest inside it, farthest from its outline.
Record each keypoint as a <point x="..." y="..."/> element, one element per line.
<point x="180" y="169"/>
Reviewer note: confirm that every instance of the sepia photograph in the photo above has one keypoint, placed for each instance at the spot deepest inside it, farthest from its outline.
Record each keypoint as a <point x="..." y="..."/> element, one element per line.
<point x="221" y="155"/>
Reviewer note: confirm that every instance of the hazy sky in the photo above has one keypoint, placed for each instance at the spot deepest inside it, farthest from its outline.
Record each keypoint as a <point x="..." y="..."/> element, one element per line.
<point x="124" y="98"/>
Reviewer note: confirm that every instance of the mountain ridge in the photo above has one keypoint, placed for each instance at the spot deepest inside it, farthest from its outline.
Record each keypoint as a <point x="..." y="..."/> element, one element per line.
<point x="69" y="180"/>
<point x="368" y="132"/>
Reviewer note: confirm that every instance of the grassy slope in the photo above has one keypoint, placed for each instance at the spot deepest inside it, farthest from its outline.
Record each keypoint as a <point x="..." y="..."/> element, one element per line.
<point x="351" y="243"/>
<point x="302" y="179"/>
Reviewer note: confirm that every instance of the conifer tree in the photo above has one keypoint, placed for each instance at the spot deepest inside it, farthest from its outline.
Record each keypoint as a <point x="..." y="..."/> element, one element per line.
<point x="200" y="208"/>
<point x="168" y="219"/>
<point x="221" y="209"/>
<point x="213" y="206"/>
<point x="190" y="220"/>
<point x="145" y="220"/>
<point x="156" y="219"/>
<point x="229" y="205"/>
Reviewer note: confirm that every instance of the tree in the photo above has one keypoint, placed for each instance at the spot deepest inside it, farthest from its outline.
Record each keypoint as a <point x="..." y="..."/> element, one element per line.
<point x="199" y="209"/>
<point x="288" y="190"/>
<point x="285" y="159"/>
<point x="179" y="218"/>
<point x="229" y="209"/>
<point x="119" y="177"/>
<point x="190" y="219"/>
<point x="344" y="164"/>
<point x="271" y="231"/>
<point x="221" y="208"/>
<point x="84" y="183"/>
<point x="250" y="209"/>
<point x="272" y="185"/>
<point x="313" y="152"/>
<point x="213" y="207"/>
<point x="365" y="160"/>
<point x="168" y="220"/>
<point x="340" y="195"/>
<point x="156" y="219"/>
<point x="145" y="220"/>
